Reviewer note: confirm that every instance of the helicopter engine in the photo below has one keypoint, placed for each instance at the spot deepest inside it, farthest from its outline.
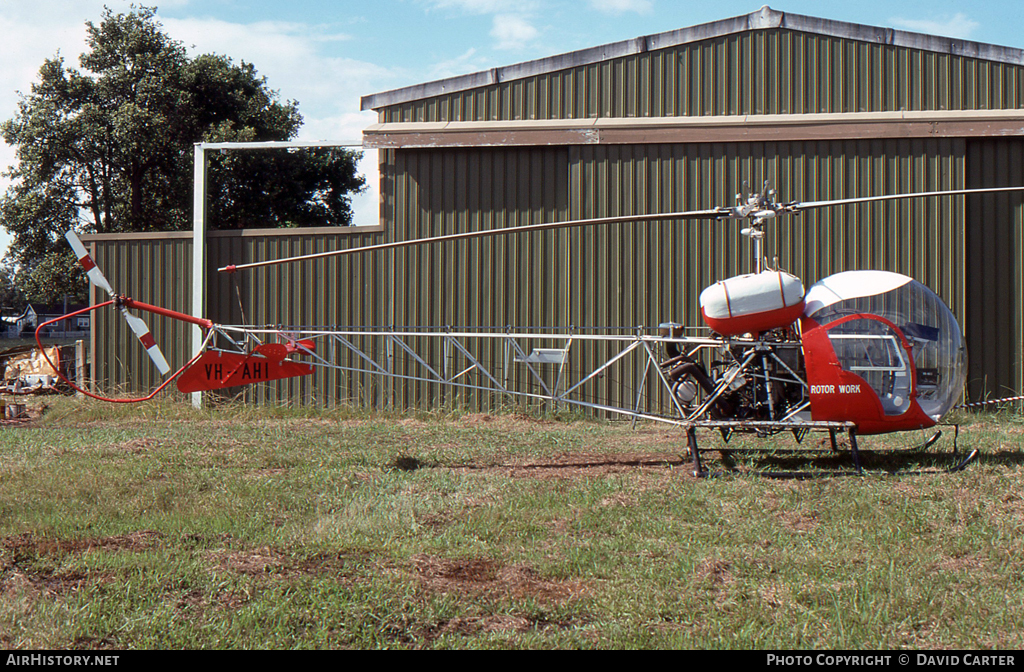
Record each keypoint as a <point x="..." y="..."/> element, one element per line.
<point x="749" y="379"/>
<point x="752" y="379"/>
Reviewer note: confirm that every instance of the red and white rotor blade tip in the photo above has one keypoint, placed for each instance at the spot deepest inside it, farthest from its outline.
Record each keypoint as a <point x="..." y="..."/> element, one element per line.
<point x="96" y="276"/>
<point x="142" y="331"/>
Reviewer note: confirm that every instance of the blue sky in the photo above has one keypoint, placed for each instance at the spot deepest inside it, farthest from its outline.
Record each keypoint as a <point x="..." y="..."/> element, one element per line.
<point x="325" y="55"/>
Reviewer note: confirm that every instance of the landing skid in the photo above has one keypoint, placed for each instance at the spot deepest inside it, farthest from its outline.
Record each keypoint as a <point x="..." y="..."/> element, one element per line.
<point x="800" y="429"/>
<point x="963" y="463"/>
<point x="930" y="442"/>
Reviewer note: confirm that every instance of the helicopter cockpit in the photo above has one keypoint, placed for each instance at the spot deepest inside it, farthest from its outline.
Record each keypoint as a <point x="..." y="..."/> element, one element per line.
<point x="894" y="333"/>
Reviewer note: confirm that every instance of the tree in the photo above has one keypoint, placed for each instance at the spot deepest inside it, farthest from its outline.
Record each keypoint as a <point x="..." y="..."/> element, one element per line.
<point x="110" y="148"/>
<point x="11" y="297"/>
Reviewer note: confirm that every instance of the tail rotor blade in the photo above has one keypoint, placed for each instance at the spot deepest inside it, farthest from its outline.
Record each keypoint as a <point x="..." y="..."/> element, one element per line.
<point x="147" y="340"/>
<point x="138" y="325"/>
<point x="91" y="269"/>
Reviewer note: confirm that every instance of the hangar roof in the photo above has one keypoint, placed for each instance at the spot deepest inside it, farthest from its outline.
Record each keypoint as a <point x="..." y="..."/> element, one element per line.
<point x="763" y="19"/>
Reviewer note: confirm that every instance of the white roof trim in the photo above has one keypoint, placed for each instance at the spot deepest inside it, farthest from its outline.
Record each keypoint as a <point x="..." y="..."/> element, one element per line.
<point x="743" y="120"/>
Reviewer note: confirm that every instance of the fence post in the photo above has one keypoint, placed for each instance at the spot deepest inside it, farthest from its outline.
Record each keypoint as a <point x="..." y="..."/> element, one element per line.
<point x="80" y="365"/>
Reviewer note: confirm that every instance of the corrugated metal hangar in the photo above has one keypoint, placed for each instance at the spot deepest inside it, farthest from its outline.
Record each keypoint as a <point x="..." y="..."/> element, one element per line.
<point x="676" y="121"/>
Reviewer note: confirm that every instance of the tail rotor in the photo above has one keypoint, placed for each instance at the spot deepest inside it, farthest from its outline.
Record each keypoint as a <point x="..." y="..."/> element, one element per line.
<point x="137" y="325"/>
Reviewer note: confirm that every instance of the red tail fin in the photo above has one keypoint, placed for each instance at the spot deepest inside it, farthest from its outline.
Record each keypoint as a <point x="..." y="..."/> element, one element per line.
<point x="217" y="370"/>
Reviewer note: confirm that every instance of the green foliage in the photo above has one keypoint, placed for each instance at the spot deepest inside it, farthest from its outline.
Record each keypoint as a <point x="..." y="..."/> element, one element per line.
<point x="110" y="148"/>
<point x="11" y="297"/>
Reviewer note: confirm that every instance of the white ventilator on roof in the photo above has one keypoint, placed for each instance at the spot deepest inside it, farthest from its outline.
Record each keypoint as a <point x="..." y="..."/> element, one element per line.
<point x="850" y="285"/>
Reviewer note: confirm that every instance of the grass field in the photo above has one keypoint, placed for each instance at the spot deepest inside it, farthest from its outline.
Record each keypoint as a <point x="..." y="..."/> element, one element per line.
<point x="158" y="526"/>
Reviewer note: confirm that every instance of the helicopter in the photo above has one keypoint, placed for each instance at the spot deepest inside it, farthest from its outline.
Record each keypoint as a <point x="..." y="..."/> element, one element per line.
<point x="861" y="351"/>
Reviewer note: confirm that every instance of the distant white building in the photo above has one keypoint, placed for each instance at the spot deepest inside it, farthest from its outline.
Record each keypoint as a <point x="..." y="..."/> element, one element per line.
<point x="13" y="326"/>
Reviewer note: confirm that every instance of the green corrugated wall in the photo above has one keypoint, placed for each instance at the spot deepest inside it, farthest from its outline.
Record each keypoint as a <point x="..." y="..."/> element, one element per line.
<point x="630" y="275"/>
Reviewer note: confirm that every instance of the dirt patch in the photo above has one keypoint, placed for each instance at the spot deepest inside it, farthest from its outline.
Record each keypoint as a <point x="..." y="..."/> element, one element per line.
<point x="1009" y="508"/>
<point x="799" y="522"/>
<point x="96" y="643"/>
<point x="28" y="545"/>
<point x="714" y="573"/>
<point x="968" y="563"/>
<point x="24" y="576"/>
<point x="439" y="571"/>
<point x="252" y="562"/>
<point x="334" y="564"/>
<point x="481" y="575"/>
<point x="197" y="602"/>
<point x="17" y="584"/>
<point x="268" y="472"/>
<point x="775" y="595"/>
<point x="495" y="623"/>
<point x="265" y="561"/>
<point x="505" y="420"/>
<point x="135" y="446"/>
<point x="619" y="499"/>
<point x="477" y="419"/>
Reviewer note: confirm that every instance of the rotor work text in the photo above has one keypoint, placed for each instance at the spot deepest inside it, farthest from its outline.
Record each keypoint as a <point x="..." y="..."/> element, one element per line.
<point x="835" y="389"/>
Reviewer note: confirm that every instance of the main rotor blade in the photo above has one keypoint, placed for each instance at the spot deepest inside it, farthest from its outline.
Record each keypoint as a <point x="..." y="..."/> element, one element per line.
<point x="797" y="207"/>
<point x="138" y="325"/>
<point x="96" y="276"/>
<point x="748" y="210"/>
<point x="716" y="213"/>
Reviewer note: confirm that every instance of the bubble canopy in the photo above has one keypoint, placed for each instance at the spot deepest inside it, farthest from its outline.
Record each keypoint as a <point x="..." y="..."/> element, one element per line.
<point x="936" y="342"/>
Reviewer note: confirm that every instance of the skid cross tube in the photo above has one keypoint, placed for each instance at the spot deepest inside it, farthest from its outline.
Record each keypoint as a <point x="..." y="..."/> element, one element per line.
<point x="768" y="427"/>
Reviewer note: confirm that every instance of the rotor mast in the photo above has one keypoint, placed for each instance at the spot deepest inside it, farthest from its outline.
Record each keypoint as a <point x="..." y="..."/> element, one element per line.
<point x="758" y="207"/>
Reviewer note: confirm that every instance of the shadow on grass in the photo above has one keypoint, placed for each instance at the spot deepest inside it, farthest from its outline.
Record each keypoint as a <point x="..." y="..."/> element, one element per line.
<point x="778" y="456"/>
<point x="807" y="463"/>
<point x="563" y="466"/>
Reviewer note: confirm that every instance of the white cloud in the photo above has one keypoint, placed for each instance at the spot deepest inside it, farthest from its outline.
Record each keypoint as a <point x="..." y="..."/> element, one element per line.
<point x="622" y="6"/>
<point x="959" y="26"/>
<point x="512" y="31"/>
<point x="287" y="55"/>
<point x="328" y="88"/>
<point x="468" y="61"/>
<point x="511" y="25"/>
<point x="343" y="128"/>
<point x="31" y="32"/>
<point x="486" y="6"/>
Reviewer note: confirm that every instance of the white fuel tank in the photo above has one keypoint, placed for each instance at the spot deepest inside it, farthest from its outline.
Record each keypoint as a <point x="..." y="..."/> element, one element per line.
<point x="752" y="303"/>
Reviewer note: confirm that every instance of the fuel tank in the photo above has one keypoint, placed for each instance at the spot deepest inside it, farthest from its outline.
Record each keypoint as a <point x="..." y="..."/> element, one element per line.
<point x="753" y="303"/>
